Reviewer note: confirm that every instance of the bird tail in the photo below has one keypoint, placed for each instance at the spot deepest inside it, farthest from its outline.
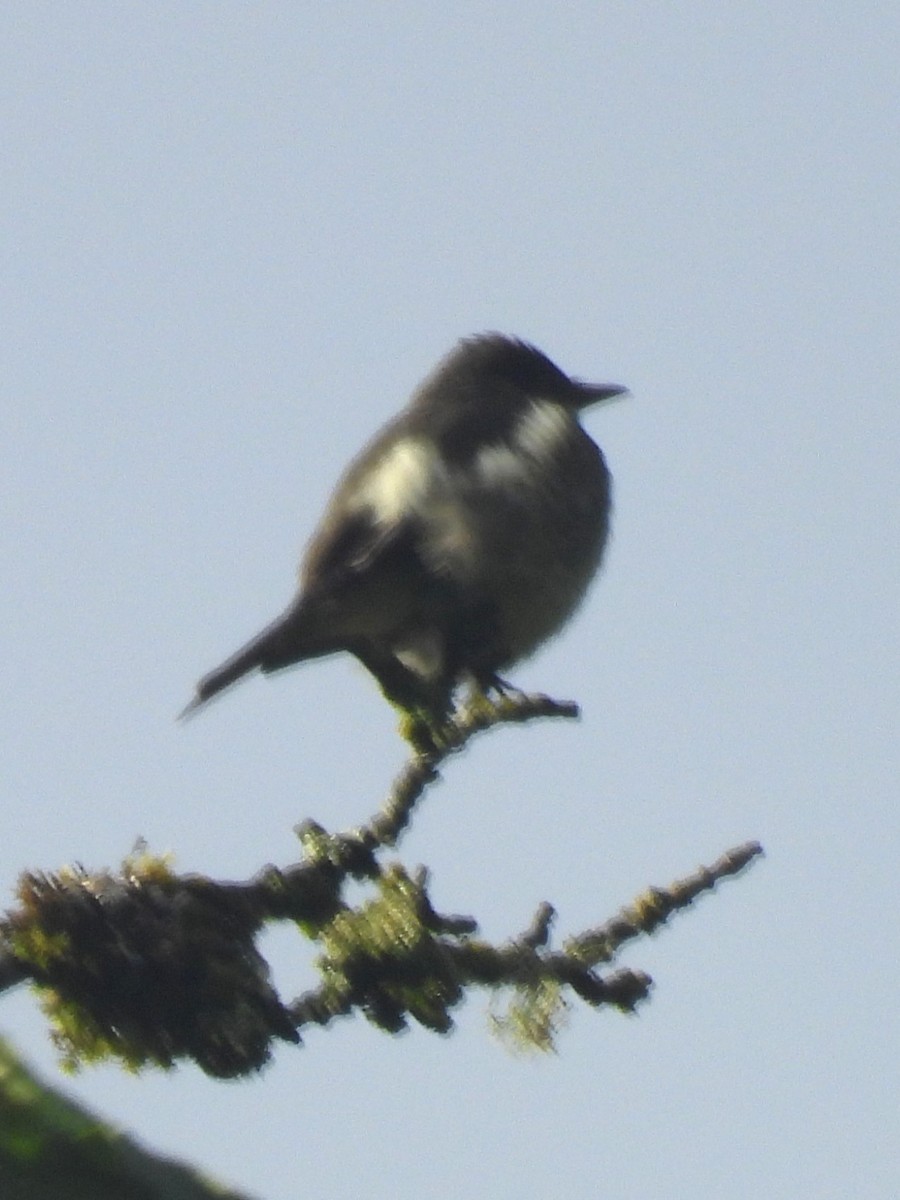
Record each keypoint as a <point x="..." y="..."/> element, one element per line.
<point x="281" y="644"/>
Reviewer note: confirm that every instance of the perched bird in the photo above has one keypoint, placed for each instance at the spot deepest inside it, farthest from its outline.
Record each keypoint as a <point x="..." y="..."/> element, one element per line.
<point x="462" y="537"/>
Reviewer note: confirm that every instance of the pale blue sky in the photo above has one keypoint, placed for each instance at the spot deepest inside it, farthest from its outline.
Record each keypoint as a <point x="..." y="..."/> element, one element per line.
<point x="234" y="237"/>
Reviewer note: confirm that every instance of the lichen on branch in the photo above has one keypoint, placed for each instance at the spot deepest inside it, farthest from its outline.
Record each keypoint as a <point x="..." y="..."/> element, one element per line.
<point x="151" y="968"/>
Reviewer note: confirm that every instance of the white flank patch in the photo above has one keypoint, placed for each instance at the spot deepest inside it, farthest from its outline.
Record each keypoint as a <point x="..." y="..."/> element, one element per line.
<point x="400" y="483"/>
<point x="422" y="653"/>
<point x="534" y="439"/>
<point x="542" y="428"/>
<point x="500" y="465"/>
<point x="412" y="480"/>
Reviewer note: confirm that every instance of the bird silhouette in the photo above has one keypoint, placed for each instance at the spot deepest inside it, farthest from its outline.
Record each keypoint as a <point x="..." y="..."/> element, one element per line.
<point x="462" y="537"/>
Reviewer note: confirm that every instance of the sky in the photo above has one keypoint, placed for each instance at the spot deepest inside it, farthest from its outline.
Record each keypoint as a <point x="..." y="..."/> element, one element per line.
<point x="235" y="237"/>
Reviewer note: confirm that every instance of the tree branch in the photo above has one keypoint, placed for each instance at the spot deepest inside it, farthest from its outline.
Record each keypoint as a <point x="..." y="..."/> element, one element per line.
<point x="150" y="968"/>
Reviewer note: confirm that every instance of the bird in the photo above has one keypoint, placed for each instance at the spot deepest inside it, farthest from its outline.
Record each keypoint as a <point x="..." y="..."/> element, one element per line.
<point x="462" y="537"/>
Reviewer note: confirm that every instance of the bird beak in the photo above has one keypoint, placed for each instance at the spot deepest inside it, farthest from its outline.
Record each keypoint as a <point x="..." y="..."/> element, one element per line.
<point x="597" y="393"/>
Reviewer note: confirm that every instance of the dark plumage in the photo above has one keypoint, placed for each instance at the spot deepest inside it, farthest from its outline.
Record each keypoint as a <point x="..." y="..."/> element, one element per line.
<point x="462" y="537"/>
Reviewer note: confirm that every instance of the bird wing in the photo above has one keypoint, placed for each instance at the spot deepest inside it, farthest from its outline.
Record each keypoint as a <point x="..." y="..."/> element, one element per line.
<point x="343" y="553"/>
